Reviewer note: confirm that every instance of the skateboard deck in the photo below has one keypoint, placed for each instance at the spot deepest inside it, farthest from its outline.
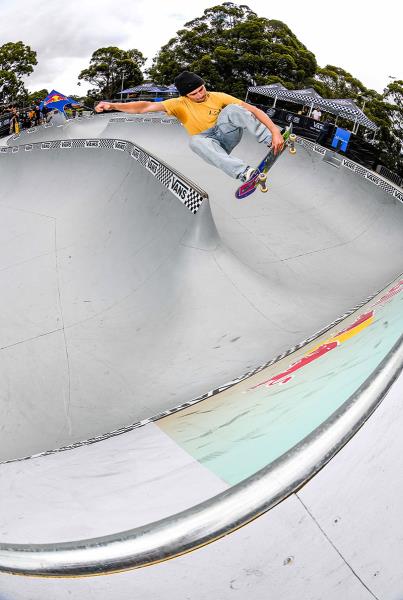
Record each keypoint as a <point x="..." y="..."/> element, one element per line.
<point x="259" y="179"/>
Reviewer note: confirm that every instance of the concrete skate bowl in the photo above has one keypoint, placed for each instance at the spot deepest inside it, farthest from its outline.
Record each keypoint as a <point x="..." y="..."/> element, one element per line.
<point x="81" y="127"/>
<point x="180" y="364"/>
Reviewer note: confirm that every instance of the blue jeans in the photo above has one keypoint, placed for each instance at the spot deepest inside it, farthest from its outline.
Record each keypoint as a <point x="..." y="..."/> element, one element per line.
<point x="215" y="144"/>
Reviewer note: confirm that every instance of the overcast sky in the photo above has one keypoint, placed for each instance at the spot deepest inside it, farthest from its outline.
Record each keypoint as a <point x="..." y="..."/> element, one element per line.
<point x="363" y="38"/>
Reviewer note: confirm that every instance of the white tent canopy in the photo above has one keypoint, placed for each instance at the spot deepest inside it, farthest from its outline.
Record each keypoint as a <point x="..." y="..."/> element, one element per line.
<point x="344" y="107"/>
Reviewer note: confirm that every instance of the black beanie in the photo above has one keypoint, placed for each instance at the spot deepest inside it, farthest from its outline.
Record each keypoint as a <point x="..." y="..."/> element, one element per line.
<point x="186" y="82"/>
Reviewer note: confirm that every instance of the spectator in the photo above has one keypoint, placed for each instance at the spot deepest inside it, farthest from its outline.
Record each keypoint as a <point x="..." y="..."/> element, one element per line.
<point x="316" y="114"/>
<point x="14" y="121"/>
<point x="37" y="115"/>
<point x="26" y="121"/>
<point x="31" y="115"/>
<point x="303" y="112"/>
<point x="45" y="111"/>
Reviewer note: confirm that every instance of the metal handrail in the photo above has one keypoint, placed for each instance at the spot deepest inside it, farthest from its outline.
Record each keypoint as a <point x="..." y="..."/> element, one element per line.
<point x="218" y="516"/>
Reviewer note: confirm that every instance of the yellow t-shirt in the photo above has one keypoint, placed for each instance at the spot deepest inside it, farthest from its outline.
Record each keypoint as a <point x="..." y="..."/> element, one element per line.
<point x="199" y="116"/>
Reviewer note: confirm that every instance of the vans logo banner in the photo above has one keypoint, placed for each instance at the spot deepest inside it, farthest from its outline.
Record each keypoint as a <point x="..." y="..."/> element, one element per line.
<point x="136" y="153"/>
<point x="179" y="188"/>
<point x="152" y="165"/>
<point x="92" y="143"/>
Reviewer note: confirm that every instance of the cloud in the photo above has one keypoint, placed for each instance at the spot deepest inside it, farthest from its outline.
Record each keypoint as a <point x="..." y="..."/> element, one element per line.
<point x="65" y="34"/>
<point x="65" y="37"/>
<point x="69" y="30"/>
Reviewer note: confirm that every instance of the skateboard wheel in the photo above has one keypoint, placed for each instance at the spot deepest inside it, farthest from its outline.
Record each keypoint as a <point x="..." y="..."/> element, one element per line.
<point x="292" y="137"/>
<point x="293" y="150"/>
<point x="264" y="189"/>
<point x="262" y="177"/>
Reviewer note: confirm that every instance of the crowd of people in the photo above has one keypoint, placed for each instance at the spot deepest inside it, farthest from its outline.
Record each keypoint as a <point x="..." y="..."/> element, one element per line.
<point x="26" y="117"/>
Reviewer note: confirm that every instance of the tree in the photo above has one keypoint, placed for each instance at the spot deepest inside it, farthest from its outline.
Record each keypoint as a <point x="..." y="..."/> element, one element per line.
<point x="393" y="95"/>
<point x="16" y="61"/>
<point x="111" y="66"/>
<point x="387" y="112"/>
<point x="17" y="58"/>
<point x="10" y="87"/>
<point x="232" y="48"/>
<point x="37" y="96"/>
<point x="335" y="82"/>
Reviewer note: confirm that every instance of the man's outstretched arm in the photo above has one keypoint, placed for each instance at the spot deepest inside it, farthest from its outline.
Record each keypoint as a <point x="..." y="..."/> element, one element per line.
<point x="277" y="138"/>
<point x="131" y="107"/>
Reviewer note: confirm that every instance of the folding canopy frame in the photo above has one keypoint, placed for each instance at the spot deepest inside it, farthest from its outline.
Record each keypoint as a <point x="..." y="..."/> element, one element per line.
<point x="343" y="107"/>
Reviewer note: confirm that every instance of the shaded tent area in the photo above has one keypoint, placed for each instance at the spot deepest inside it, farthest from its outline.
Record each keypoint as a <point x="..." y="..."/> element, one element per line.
<point x="343" y="107"/>
<point x="151" y="88"/>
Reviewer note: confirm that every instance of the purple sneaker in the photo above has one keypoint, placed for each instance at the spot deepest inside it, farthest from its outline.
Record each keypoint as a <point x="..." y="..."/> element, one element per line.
<point x="249" y="184"/>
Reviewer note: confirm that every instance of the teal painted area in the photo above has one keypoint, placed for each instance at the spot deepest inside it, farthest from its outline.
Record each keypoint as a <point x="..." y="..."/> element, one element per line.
<point x="239" y="431"/>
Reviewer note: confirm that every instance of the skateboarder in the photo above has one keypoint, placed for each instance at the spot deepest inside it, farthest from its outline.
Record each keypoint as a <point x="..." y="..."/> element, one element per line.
<point x="214" y="120"/>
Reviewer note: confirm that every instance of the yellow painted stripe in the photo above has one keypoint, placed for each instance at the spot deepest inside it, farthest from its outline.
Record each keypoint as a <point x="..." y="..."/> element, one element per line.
<point x="346" y="335"/>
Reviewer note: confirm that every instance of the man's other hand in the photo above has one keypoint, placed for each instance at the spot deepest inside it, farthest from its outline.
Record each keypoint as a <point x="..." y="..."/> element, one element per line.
<point x="277" y="142"/>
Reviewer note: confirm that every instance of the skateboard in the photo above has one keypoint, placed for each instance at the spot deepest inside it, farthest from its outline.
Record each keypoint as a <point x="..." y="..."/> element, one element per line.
<point x="259" y="179"/>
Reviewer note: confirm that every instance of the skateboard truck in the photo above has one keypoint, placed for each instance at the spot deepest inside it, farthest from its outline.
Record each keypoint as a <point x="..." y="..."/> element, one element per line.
<point x="262" y="182"/>
<point x="292" y="139"/>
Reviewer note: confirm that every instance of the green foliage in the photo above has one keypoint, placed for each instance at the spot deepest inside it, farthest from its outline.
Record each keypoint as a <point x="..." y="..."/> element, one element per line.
<point x="394" y="93"/>
<point x="335" y="82"/>
<point x="91" y="99"/>
<point x="387" y="112"/>
<point x="393" y="96"/>
<point x="107" y="68"/>
<point x="37" y="96"/>
<point x="17" y="58"/>
<point x="232" y="48"/>
<point x="9" y="85"/>
<point x="16" y="61"/>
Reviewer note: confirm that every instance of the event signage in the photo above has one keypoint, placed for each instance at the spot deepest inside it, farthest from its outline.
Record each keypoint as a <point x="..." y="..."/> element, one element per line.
<point x="302" y="121"/>
<point x="341" y="139"/>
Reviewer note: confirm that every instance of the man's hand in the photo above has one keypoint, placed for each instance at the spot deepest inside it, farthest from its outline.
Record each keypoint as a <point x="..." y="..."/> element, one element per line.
<point x="277" y="142"/>
<point x="103" y="106"/>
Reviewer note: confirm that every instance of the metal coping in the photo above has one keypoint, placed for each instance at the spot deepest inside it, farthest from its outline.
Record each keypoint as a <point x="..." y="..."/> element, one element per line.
<point x="190" y="194"/>
<point x="217" y="517"/>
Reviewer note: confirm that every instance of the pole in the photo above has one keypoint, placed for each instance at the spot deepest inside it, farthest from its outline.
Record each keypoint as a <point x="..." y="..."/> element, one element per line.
<point x="246" y="97"/>
<point x="310" y="110"/>
<point x="275" y="100"/>
<point x="121" y="89"/>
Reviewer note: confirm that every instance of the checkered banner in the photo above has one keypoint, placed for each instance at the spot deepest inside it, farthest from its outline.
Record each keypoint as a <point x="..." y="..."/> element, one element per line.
<point x="386" y="186"/>
<point x="187" y="192"/>
<point x="344" y="107"/>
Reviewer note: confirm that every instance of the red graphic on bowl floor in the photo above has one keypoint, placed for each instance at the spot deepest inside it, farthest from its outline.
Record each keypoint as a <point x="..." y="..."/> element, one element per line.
<point x="361" y="323"/>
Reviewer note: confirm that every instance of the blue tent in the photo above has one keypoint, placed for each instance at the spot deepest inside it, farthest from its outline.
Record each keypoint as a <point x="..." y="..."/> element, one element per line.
<point x="57" y="100"/>
<point x="150" y="87"/>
